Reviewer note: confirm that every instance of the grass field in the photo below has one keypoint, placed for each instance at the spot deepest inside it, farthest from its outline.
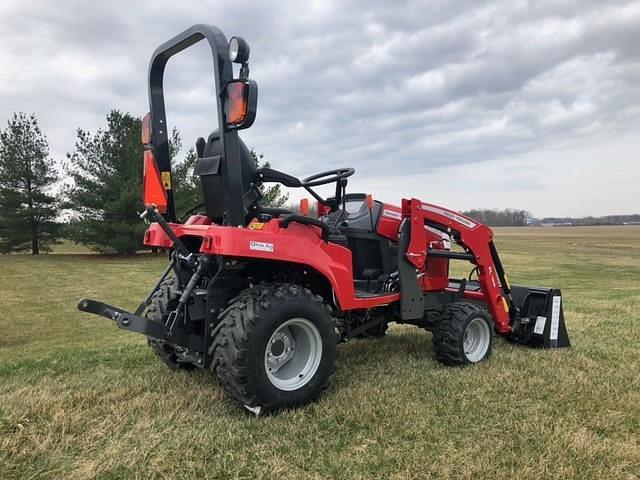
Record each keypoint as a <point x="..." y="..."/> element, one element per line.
<point x="81" y="399"/>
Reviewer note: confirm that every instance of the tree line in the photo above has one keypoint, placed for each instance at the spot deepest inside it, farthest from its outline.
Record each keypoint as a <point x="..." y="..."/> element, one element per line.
<point x="519" y="218"/>
<point x="94" y="195"/>
<point x="633" y="219"/>
<point x="500" y="218"/>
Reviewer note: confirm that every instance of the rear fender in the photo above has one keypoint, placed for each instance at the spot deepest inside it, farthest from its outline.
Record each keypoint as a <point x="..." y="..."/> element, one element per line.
<point x="298" y="244"/>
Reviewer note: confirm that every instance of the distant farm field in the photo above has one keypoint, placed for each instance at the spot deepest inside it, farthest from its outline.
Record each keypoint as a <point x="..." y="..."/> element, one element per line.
<point x="81" y="399"/>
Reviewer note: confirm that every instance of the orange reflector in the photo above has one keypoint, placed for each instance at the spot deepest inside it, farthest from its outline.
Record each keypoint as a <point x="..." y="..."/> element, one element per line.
<point x="236" y="105"/>
<point x="304" y="206"/>
<point x="506" y="304"/>
<point x="369" y="201"/>
<point x="146" y="129"/>
<point x="153" y="192"/>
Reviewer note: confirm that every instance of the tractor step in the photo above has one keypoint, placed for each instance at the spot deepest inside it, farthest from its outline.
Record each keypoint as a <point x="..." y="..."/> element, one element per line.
<point x="365" y="294"/>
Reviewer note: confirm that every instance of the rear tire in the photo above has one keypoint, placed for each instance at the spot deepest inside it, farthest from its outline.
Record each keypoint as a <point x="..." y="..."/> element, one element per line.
<point x="463" y="334"/>
<point x="157" y="311"/>
<point x="275" y="347"/>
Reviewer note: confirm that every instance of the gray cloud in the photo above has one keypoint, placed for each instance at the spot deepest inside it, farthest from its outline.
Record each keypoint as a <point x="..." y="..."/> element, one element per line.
<point x="420" y="87"/>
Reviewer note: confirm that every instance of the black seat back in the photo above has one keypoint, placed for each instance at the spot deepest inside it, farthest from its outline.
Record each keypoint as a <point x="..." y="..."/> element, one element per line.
<point x="211" y="171"/>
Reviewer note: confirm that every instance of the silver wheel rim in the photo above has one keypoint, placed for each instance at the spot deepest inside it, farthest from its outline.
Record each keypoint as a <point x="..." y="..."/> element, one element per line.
<point x="477" y="338"/>
<point x="293" y="354"/>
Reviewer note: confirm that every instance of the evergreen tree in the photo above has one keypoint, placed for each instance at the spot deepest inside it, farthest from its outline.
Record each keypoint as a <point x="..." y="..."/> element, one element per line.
<point x="28" y="209"/>
<point x="187" y="191"/>
<point x="105" y="196"/>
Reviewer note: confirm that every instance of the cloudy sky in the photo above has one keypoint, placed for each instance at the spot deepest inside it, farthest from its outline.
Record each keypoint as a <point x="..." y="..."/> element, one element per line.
<point x="532" y="105"/>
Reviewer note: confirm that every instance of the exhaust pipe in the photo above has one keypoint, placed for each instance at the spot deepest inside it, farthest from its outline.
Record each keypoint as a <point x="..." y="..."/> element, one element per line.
<point x="540" y="318"/>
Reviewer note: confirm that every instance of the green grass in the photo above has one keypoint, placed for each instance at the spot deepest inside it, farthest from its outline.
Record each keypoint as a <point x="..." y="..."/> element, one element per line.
<point x="81" y="399"/>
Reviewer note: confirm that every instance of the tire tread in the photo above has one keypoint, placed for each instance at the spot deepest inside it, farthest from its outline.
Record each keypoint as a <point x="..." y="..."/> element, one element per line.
<point x="449" y="329"/>
<point x="229" y="348"/>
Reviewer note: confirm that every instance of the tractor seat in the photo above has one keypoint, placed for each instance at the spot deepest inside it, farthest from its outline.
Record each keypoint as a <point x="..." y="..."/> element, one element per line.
<point x="210" y="170"/>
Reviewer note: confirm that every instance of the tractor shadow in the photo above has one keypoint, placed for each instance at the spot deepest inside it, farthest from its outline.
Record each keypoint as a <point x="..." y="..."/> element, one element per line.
<point x="400" y="340"/>
<point x="361" y="364"/>
<point x="359" y="360"/>
<point x="402" y="347"/>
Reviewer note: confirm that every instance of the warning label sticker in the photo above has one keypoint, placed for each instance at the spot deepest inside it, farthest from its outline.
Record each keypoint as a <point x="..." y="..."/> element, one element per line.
<point x="539" y="327"/>
<point x="166" y="180"/>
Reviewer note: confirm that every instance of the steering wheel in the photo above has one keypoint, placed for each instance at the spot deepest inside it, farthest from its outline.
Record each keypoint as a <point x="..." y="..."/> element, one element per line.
<point x="329" y="176"/>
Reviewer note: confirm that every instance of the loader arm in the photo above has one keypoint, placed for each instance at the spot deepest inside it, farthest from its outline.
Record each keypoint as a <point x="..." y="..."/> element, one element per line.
<point x="477" y="241"/>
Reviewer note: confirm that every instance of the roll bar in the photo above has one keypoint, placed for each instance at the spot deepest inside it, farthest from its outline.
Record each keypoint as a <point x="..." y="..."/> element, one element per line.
<point x="230" y="145"/>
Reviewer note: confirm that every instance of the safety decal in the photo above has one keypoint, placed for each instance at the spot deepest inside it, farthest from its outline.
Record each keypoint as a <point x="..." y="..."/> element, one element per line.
<point x="166" y="180"/>
<point x="539" y="327"/>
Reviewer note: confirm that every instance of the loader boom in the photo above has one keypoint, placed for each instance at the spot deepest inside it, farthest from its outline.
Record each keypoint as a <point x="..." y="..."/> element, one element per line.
<point x="477" y="241"/>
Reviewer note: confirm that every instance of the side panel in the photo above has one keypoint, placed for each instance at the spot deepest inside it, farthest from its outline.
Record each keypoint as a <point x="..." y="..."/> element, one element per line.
<point x="389" y="221"/>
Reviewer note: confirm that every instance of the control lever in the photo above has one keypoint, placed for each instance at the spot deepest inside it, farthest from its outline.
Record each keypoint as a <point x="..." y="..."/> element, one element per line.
<point x="152" y="213"/>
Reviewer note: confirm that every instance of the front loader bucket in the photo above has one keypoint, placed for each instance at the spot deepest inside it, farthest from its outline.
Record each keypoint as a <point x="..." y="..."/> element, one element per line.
<point x="540" y="322"/>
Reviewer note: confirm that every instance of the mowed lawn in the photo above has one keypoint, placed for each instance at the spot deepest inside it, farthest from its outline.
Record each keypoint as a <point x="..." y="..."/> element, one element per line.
<point x="81" y="399"/>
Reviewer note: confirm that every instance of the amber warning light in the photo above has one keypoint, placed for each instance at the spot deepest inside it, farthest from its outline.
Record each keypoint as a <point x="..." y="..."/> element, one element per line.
<point x="236" y="103"/>
<point x="240" y="103"/>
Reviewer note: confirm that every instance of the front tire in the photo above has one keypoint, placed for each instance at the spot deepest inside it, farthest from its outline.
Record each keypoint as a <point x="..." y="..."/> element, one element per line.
<point x="275" y="347"/>
<point x="463" y="334"/>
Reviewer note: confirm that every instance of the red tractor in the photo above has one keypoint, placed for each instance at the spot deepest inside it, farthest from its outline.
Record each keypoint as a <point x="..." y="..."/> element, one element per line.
<point x="262" y="296"/>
